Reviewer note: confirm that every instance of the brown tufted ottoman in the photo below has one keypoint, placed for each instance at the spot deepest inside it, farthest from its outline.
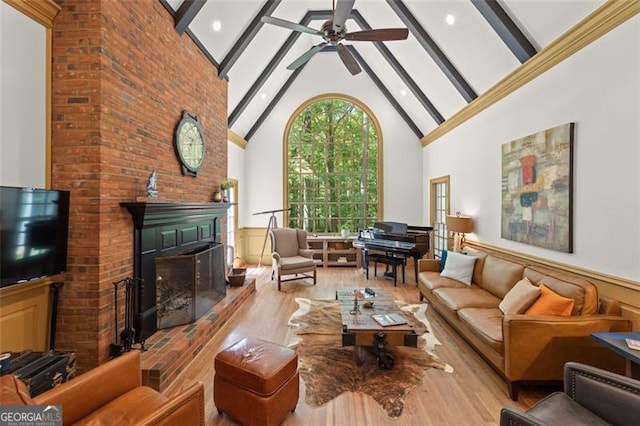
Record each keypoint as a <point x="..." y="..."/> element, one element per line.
<point x="256" y="382"/>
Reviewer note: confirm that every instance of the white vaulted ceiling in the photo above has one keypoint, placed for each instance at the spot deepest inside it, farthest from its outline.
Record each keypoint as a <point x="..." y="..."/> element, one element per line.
<point x="472" y="47"/>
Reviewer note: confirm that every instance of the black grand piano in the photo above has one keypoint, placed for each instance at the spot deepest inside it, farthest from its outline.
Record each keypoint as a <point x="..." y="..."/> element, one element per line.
<point x="395" y="240"/>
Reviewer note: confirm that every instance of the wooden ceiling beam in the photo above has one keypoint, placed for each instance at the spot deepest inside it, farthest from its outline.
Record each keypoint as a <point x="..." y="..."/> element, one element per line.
<point x="402" y="73"/>
<point x="192" y="36"/>
<point x="274" y="102"/>
<point x="364" y="66"/>
<point x="387" y="94"/>
<point x="430" y="46"/>
<point x="186" y="13"/>
<point x="393" y="62"/>
<point x="246" y="38"/>
<point x="273" y="63"/>
<point x="506" y="29"/>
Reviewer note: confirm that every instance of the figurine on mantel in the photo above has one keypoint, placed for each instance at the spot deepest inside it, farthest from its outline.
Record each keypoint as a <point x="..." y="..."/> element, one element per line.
<point x="152" y="188"/>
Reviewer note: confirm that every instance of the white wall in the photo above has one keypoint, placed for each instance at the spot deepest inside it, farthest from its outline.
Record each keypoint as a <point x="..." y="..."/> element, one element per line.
<point x="402" y="150"/>
<point x="22" y="100"/>
<point x="236" y="170"/>
<point x="598" y="88"/>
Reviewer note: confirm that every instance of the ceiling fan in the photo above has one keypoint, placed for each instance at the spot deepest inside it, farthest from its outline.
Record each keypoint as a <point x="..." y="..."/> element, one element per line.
<point x="334" y="31"/>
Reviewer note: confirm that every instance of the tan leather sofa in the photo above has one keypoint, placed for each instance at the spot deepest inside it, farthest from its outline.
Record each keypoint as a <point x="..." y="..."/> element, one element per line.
<point x="524" y="349"/>
<point x="112" y="394"/>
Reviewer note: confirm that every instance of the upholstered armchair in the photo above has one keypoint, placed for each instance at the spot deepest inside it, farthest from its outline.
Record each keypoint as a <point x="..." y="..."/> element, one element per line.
<point x="112" y="394"/>
<point x="591" y="397"/>
<point x="290" y="255"/>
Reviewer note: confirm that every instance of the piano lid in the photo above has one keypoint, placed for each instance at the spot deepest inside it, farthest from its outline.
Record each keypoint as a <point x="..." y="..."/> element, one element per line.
<point x="390" y="227"/>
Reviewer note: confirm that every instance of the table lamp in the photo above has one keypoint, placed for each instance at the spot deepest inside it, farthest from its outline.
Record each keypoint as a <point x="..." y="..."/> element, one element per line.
<point x="459" y="225"/>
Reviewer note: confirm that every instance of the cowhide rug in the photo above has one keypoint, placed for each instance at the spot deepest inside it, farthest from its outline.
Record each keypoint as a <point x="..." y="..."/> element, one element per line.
<point x="328" y="369"/>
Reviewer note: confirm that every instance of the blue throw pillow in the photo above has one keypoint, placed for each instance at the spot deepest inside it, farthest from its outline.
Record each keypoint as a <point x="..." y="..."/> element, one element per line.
<point x="443" y="259"/>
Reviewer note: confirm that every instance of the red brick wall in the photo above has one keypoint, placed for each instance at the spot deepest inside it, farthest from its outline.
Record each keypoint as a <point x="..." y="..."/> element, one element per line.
<point x="121" y="78"/>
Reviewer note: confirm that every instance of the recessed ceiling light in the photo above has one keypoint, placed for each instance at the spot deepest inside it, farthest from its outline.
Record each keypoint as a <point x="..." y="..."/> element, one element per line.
<point x="217" y="25"/>
<point x="403" y="92"/>
<point x="450" y="19"/>
<point x="263" y="95"/>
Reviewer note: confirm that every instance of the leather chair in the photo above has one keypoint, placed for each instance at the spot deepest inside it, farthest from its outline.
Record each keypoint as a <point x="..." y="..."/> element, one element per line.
<point x="591" y="397"/>
<point x="112" y="394"/>
<point x="290" y="255"/>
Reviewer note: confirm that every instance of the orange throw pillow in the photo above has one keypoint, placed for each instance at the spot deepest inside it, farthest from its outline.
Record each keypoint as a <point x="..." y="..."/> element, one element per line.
<point x="551" y="303"/>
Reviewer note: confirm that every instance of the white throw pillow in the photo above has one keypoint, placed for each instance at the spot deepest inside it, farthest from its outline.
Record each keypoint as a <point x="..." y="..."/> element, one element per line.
<point x="459" y="267"/>
<point x="520" y="297"/>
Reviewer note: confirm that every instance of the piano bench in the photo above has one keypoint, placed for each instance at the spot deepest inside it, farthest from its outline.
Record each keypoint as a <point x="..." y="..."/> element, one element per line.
<point x="386" y="259"/>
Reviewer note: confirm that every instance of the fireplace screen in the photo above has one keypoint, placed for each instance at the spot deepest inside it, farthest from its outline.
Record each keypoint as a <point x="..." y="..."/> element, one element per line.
<point x="189" y="285"/>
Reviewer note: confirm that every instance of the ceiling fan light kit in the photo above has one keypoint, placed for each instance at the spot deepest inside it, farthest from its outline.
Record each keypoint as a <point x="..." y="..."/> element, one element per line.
<point x="334" y="32"/>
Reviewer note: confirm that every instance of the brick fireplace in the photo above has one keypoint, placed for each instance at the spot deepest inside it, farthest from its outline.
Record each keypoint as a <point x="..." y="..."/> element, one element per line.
<point x="121" y="77"/>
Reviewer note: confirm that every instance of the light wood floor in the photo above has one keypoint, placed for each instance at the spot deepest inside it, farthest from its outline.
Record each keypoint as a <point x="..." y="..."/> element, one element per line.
<point x="472" y="395"/>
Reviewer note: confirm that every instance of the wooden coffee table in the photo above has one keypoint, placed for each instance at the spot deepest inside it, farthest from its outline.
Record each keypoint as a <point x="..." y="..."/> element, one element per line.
<point x="361" y="330"/>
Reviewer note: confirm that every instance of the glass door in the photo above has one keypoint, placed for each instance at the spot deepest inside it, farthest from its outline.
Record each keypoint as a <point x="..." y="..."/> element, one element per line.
<point x="439" y="209"/>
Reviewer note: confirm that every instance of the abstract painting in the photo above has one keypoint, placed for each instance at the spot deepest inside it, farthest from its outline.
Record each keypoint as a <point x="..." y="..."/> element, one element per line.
<point x="537" y="189"/>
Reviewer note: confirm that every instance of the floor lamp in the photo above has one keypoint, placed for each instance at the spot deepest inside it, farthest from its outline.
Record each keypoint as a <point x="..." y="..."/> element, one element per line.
<point x="459" y="225"/>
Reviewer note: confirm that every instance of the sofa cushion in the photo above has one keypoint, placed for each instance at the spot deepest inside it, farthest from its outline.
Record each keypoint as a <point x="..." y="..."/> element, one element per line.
<point x="486" y="324"/>
<point x="130" y="408"/>
<point x="500" y="275"/>
<point x="295" y="262"/>
<point x="433" y="280"/>
<point x="479" y="265"/>
<point x="579" y="289"/>
<point x="468" y="297"/>
<point x="520" y="297"/>
<point x="459" y="267"/>
<point x="551" y="303"/>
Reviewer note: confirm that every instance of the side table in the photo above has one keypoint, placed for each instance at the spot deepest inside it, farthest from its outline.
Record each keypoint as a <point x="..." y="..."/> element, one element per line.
<point x="615" y="342"/>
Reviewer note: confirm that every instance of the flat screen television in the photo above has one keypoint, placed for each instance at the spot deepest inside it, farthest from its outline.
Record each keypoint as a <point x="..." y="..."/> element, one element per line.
<point x="34" y="229"/>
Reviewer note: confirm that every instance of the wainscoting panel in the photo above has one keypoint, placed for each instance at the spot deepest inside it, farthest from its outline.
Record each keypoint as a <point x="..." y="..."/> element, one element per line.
<point x="24" y="316"/>
<point x="254" y="240"/>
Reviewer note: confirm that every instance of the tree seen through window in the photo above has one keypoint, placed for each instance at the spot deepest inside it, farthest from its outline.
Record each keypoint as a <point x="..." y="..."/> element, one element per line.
<point x="332" y="167"/>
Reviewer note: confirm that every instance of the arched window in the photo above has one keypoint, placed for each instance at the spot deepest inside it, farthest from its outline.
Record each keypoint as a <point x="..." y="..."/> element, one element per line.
<point x="333" y="167"/>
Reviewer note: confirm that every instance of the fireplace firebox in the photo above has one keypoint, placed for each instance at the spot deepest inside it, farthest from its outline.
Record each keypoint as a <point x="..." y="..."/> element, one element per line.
<point x="189" y="285"/>
<point x="163" y="229"/>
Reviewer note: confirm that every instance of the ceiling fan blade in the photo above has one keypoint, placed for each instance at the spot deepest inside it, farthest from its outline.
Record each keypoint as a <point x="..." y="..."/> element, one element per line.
<point x="340" y="15"/>
<point x="383" y="34"/>
<point x="290" y="25"/>
<point x="302" y="59"/>
<point x="348" y="59"/>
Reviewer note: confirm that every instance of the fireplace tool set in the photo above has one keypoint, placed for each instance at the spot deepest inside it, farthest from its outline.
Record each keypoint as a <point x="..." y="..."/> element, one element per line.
<point x="128" y="333"/>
